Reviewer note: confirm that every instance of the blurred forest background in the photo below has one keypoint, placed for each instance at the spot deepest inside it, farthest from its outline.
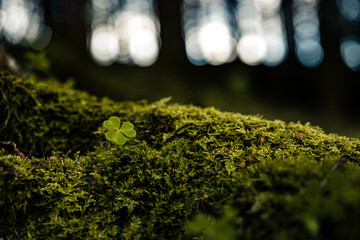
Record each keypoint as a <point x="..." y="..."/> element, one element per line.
<point x="325" y="92"/>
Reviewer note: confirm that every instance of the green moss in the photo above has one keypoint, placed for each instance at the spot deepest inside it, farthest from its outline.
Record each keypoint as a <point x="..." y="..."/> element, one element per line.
<point x="246" y="176"/>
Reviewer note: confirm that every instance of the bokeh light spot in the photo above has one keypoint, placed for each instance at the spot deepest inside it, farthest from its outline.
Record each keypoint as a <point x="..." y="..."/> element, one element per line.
<point x="104" y="45"/>
<point x="129" y="32"/>
<point x="350" y="52"/>
<point x="22" y="22"/>
<point x="192" y="46"/>
<point x="16" y="23"/>
<point x="251" y="49"/>
<point x="143" y="47"/>
<point x="269" y="6"/>
<point x="276" y="50"/>
<point x="216" y="42"/>
<point x="309" y="52"/>
<point x="349" y="9"/>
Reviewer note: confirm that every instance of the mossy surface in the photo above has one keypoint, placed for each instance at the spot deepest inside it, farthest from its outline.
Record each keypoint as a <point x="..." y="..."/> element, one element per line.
<point x="190" y="173"/>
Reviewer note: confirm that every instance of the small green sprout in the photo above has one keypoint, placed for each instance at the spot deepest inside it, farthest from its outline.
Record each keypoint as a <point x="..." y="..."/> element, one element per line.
<point x="118" y="133"/>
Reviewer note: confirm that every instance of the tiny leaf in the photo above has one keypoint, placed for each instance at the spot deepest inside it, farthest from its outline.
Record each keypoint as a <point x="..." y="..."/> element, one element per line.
<point x="128" y="129"/>
<point x="116" y="133"/>
<point x="110" y="135"/>
<point x="116" y="136"/>
<point x="120" y="138"/>
<point x="112" y="124"/>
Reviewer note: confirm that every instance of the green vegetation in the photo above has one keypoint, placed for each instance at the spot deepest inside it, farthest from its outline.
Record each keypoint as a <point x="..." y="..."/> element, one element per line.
<point x="190" y="173"/>
<point x="118" y="134"/>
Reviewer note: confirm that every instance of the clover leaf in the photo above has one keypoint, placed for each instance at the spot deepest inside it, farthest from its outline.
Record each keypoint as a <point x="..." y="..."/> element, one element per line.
<point x="118" y="133"/>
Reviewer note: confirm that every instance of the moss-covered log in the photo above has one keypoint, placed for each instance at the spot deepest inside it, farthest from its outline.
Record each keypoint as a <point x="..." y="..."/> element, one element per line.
<point x="190" y="172"/>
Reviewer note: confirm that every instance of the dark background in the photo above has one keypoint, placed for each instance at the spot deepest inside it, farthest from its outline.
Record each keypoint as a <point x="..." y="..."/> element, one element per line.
<point x="327" y="96"/>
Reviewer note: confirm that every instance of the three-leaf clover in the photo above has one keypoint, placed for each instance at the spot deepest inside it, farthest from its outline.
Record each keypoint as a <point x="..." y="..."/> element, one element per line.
<point x="118" y="134"/>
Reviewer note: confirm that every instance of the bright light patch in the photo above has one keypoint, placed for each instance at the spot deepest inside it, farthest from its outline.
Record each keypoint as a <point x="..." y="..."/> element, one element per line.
<point x="192" y="46"/>
<point x="298" y="4"/>
<point x="251" y="49"/>
<point x="140" y="21"/>
<point x="143" y="47"/>
<point x="269" y="6"/>
<point x="129" y="33"/>
<point x="309" y="52"/>
<point x="306" y="23"/>
<point x="350" y="52"/>
<point x="307" y="30"/>
<point x="350" y="9"/>
<point x="273" y="25"/>
<point x="16" y="23"/>
<point x="104" y="45"/>
<point x="2" y="19"/>
<point x="216" y="42"/>
<point x="308" y="49"/>
<point x="276" y="50"/>
<point x="208" y="33"/>
<point x="103" y="5"/>
<point x="22" y="22"/>
<point x="138" y="37"/>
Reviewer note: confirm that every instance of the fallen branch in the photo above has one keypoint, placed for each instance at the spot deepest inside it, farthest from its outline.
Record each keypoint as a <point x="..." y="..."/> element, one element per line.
<point x="12" y="143"/>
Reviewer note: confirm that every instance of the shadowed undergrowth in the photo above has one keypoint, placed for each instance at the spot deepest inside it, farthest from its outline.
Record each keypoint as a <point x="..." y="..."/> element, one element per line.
<point x="190" y="173"/>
